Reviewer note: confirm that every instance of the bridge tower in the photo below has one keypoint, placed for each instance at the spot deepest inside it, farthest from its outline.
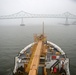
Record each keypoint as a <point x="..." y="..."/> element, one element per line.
<point x="22" y="23"/>
<point x="66" y="21"/>
<point x="67" y="14"/>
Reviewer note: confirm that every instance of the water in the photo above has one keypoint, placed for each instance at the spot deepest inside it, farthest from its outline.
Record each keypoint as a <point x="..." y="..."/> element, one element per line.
<point x="15" y="38"/>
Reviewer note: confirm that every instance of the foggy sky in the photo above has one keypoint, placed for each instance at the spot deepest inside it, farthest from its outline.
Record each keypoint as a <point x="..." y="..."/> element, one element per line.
<point x="37" y="6"/>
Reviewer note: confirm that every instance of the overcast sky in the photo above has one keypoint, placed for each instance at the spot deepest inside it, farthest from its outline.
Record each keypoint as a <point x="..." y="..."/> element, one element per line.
<point x="37" y="6"/>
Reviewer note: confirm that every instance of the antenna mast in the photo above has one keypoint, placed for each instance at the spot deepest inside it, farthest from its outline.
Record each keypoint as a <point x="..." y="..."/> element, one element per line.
<point x="43" y="28"/>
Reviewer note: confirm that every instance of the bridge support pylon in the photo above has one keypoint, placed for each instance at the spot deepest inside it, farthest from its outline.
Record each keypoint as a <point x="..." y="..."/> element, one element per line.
<point x="66" y="21"/>
<point x="22" y="24"/>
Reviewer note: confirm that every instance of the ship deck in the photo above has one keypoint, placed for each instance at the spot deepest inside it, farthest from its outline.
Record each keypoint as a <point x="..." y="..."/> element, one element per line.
<point x="47" y="60"/>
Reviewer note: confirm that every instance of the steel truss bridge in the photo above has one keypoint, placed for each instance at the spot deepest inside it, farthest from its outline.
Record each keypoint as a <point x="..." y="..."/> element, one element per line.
<point x="21" y="15"/>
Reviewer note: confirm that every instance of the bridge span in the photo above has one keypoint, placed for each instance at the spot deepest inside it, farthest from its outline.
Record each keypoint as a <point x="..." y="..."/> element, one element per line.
<point x="22" y="14"/>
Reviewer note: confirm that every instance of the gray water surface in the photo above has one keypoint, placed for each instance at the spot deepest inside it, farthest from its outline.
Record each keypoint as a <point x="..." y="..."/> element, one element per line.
<point x="14" y="38"/>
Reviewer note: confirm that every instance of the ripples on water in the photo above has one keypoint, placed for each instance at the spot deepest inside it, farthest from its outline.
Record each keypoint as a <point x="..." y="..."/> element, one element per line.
<point x="15" y="38"/>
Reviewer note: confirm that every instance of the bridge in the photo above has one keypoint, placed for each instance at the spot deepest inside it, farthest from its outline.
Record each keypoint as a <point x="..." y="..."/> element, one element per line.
<point x="22" y="14"/>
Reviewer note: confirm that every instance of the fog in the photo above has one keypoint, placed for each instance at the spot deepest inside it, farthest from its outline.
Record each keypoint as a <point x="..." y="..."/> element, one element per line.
<point x="8" y="7"/>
